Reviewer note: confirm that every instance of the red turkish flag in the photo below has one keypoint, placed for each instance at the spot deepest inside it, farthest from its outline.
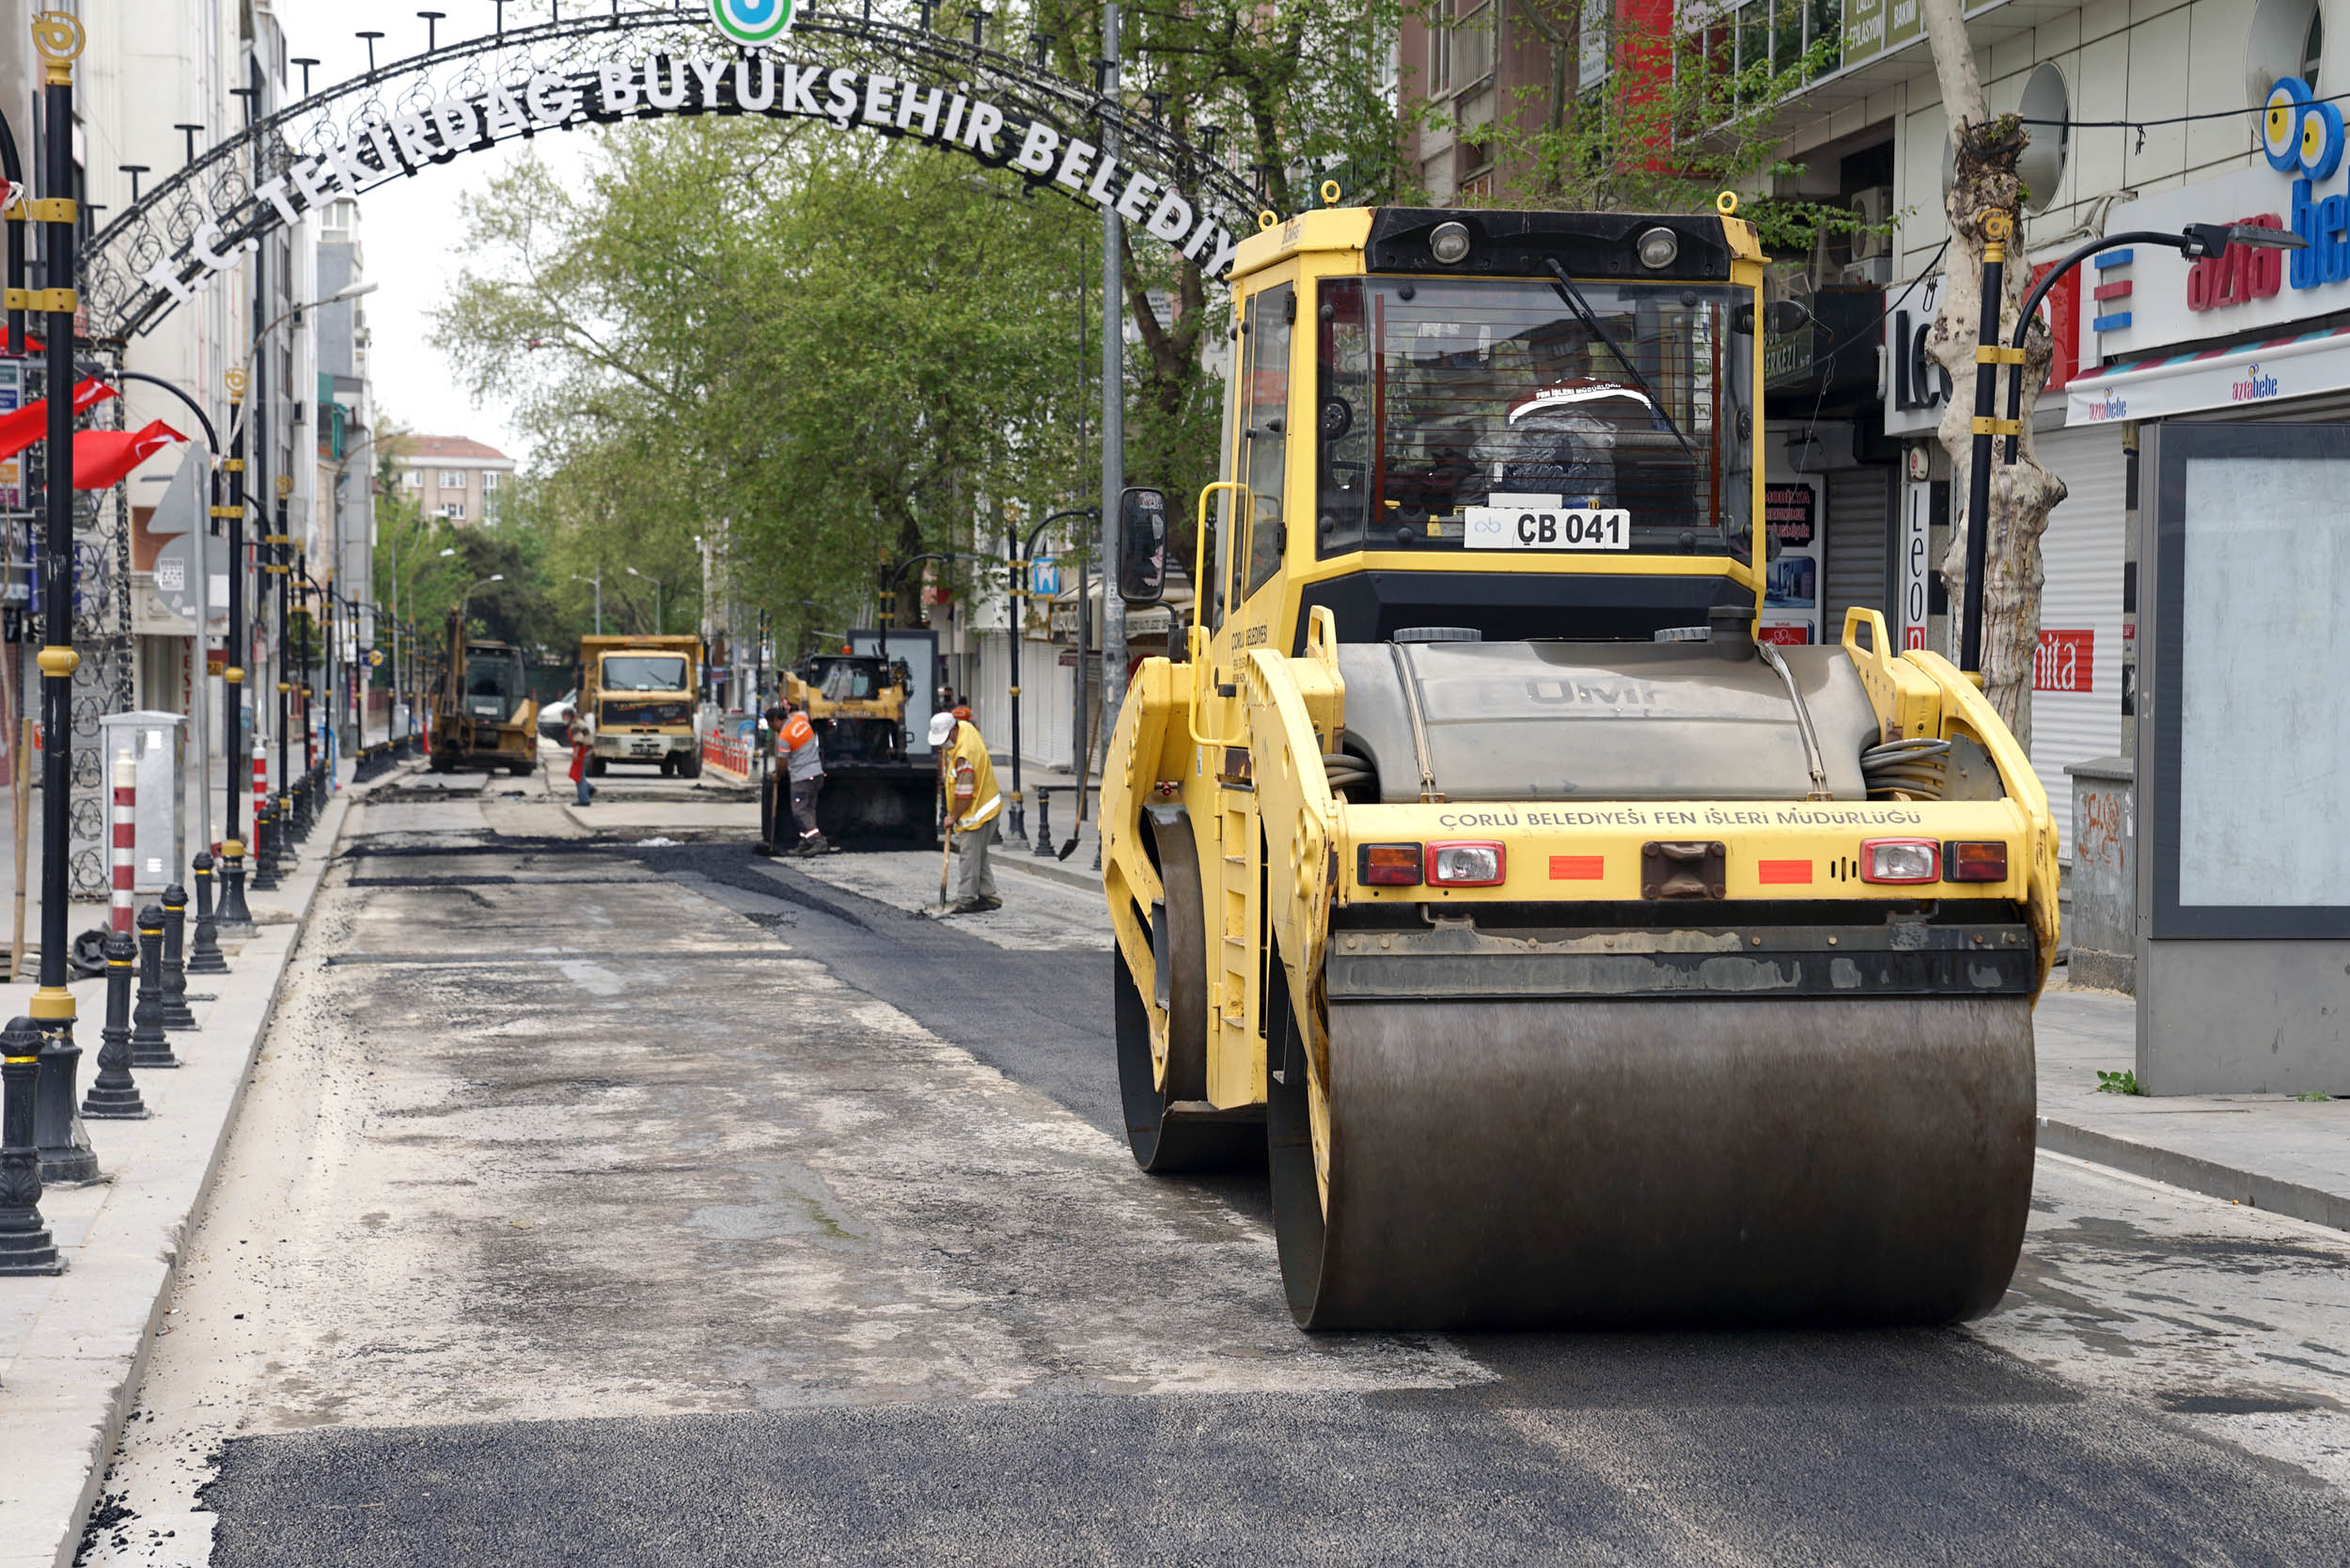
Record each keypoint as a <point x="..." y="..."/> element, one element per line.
<point x="102" y="459"/>
<point x="32" y="344"/>
<point x="21" y="428"/>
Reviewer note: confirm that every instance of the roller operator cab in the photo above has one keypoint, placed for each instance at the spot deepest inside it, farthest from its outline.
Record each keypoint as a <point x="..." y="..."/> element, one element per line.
<point x="1571" y="956"/>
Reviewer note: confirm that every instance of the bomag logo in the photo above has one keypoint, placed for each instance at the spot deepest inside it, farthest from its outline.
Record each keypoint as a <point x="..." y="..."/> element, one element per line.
<point x="752" y="21"/>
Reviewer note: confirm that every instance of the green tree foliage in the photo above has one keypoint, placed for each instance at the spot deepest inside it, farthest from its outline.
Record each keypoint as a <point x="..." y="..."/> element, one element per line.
<point x="834" y="351"/>
<point x="1682" y="115"/>
<point x="823" y="351"/>
<point x="1293" y="92"/>
<point x="408" y="551"/>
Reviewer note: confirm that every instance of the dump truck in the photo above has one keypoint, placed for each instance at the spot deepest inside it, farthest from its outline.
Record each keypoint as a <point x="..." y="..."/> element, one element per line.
<point x="638" y="694"/>
<point x="1568" y="955"/>
<point x="483" y="715"/>
<point x="874" y="788"/>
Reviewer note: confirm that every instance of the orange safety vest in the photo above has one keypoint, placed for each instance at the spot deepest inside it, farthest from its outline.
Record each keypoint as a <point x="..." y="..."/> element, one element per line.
<point x="798" y="732"/>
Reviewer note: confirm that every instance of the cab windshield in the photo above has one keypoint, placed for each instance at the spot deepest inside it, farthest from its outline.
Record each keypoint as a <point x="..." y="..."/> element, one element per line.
<point x="849" y="682"/>
<point x="1445" y="401"/>
<point x="645" y="673"/>
<point x="493" y="684"/>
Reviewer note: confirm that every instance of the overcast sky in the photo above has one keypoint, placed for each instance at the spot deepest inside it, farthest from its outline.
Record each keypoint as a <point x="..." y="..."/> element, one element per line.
<point x="408" y="229"/>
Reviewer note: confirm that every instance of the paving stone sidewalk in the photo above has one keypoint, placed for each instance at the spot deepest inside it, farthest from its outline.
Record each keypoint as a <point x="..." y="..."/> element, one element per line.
<point x="2266" y="1151"/>
<point x="72" y="1348"/>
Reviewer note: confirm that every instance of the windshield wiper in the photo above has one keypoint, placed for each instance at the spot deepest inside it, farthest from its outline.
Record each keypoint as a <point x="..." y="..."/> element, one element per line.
<point x="1582" y="308"/>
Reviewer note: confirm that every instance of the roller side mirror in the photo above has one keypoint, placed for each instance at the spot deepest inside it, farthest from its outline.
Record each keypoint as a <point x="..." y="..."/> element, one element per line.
<point x="1141" y="546"/>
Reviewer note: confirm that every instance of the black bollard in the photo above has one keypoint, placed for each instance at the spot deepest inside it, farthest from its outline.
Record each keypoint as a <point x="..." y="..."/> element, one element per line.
<point x="177" y="1014"/>
<point x="1043" y="823"/>
<point x="25" y="1247"/>
<point x="66" y="1154"/>
<point x="204" y="958"/>
<point x="113" y="1096"/>
<point x="234" y="918"/>
<point x="148" y="1048"/>
<point x="264" y="878"/>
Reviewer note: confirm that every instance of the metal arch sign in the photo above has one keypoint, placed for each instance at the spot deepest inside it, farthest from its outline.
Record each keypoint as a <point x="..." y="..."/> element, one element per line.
<point x="844" y="96"/>
<point x="901" y="82"/>
<point x="751" y="23"/>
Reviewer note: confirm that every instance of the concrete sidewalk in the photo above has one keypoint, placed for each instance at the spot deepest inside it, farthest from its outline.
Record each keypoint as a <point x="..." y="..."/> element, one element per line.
<point x="2264" y="1150"/>
<point x="72" y="1348"/>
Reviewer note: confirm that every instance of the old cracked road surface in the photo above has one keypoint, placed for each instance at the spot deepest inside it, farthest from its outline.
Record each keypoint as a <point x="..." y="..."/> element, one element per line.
<point x="618" y="1205"/>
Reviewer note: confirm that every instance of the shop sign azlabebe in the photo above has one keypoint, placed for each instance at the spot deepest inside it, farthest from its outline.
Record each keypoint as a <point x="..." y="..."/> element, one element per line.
<point x="2150" y="298"/>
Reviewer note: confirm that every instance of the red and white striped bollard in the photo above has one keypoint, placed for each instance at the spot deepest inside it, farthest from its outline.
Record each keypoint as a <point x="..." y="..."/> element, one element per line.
<point x="125" y="838"/>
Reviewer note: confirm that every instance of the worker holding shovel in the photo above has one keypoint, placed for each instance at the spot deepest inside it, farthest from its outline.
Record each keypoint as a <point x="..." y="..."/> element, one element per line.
<point x="973" y="805"/>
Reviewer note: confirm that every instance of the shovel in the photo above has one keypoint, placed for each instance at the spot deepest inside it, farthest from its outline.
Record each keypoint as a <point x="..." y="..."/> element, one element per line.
<point x="1085" y="765"/>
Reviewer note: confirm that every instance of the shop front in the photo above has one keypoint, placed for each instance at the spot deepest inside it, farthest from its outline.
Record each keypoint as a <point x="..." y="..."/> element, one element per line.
<point x="2078" y="677"/>
<point x="2251" y="339"/>
<point x="1827" y="497"/>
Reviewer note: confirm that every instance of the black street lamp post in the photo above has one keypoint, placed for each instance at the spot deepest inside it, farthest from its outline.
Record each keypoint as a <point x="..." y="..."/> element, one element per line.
<point x="2195" y="241"/>
<point x="233" y="918"/>
<point x="64" y="1151"/>
<point x="280" y="565"/>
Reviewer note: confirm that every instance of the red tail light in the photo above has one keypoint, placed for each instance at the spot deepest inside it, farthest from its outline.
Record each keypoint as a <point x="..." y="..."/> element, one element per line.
<point x="1472" y="863"/>
<point x="1388" y="865"/>
<point x="1975" y="862"/>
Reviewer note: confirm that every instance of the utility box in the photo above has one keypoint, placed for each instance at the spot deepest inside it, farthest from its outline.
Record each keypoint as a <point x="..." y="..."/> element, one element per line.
<point x="158" y="743"/>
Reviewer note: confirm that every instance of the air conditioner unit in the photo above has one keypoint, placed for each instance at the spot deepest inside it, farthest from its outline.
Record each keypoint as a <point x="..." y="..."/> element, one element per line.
<point x="1874" y="208"/>
<point x="1875" y="273"/>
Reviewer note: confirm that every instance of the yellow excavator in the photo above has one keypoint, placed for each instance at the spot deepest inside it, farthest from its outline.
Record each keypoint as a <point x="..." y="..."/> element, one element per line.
<point x="483" y="715"/>
<point x="1571" y="956"/>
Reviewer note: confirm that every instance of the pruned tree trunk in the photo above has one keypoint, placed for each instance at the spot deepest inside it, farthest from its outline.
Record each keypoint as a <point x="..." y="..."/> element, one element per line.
<point x="2023" y="493"/>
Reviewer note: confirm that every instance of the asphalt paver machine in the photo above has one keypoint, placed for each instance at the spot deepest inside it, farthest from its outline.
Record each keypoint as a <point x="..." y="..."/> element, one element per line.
<point x="874" y="790"/>
<point x="1571" y="956"/>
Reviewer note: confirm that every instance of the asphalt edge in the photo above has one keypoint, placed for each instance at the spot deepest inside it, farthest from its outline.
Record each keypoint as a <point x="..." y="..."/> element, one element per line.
<point x="109" y="1433"/>
<point x="1030" y="864"/>
<point x="2209" y="1177"/>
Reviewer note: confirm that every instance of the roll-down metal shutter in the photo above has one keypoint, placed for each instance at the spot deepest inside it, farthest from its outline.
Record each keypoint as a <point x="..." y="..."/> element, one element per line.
<point x="1859" y="523"/>
<point x="2077" y="685"/>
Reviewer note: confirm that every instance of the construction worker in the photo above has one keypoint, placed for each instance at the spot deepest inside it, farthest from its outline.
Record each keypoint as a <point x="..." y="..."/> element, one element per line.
<point x="973" y="804"/>
<point x="804" y="766"/>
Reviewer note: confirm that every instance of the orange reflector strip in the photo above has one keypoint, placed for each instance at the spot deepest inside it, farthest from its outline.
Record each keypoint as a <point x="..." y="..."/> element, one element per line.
<point x="1782" y="871"/>
<point x="1578" y="868"/>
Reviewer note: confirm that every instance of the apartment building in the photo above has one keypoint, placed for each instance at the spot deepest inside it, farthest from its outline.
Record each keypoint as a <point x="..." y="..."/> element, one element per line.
<point x="453" y="477"/>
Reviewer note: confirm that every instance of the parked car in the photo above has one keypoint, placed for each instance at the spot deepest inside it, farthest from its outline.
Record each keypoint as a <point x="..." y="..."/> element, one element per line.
<point x="555" y="719"/>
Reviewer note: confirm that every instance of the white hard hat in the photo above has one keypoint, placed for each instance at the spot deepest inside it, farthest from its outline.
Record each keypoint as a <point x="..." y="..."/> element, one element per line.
<point x="942" y="730"/>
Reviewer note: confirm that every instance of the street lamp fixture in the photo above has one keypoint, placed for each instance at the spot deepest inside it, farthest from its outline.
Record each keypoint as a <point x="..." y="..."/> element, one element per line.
<point x="656" y="594"/>
<point x="2196" y="241"/>
<point x="598" y="580"/>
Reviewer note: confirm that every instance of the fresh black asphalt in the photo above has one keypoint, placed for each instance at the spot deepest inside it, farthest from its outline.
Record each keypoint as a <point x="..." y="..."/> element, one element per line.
<point x="1865" y="1448"/>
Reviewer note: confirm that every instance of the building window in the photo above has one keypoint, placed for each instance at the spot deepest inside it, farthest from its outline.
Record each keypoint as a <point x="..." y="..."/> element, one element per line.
<point x="453" y="510"/>
<point x="452" y="478"/>
<point x="489" y="478"/>
<point x="1439" y="57"/>
<point x="412" y="479"/>
<point x="1473" y="49"/>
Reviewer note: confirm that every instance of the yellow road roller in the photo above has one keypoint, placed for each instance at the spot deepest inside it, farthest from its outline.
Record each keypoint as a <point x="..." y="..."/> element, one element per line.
<point x="1570" y="955"/>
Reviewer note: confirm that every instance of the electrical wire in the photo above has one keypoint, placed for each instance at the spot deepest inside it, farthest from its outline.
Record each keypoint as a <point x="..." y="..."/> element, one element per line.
<point x="2172" y="120"/>
<point x="1811" y="425"/>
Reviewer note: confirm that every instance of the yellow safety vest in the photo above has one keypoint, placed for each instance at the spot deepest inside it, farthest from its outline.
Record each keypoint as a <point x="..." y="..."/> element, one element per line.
<point x="969" y="759"/>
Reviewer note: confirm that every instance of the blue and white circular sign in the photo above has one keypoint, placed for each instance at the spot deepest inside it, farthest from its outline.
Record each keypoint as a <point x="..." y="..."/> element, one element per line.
<point x="752" y="20"/>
